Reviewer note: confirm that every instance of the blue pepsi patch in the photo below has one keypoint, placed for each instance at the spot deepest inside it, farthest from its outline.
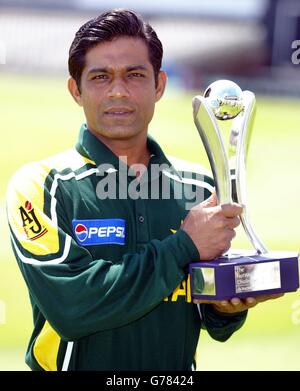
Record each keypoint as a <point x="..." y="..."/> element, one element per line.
<point x="100" y="231"/>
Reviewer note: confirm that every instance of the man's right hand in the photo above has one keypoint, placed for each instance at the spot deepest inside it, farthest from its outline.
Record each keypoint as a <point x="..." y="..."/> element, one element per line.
<point x="211" y="226"/>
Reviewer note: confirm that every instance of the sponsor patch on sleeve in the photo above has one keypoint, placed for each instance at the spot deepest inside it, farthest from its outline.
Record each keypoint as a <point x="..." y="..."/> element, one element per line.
<point x="99" y="231"/>
<point x="33" y="227"/>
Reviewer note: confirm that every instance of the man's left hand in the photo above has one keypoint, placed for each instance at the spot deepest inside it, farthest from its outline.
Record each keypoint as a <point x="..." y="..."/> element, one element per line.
<point x="237" y="305"/>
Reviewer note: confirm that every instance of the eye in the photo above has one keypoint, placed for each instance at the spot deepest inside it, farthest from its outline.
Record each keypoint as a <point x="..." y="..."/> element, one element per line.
<point x="136" y="75"/>
<point x="100" y="77"/>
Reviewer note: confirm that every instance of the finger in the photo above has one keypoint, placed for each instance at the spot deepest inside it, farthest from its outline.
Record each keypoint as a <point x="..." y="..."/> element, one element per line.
<point x="224" y="303"/>
<point x="211" y="201"/>
<point x="228" y="236"/>
<point x="226" y="248"/>
<point x="232" y="210"/>
<point x="232" y="222"/>
<point x="231" y="233"/>
<point x="204" y="301"/>
<point x="231" y="306"/>
<point x="235" y="301"/>
<point x="250" y="301"/>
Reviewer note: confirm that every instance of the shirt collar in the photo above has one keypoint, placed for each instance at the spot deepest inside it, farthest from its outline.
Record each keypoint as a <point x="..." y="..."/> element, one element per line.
<point x="89" y="146"/>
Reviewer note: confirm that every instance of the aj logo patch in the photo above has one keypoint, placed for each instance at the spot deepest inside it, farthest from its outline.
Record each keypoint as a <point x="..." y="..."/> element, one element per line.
<point x="99" y="231"/>
<point x="32" y="226"/>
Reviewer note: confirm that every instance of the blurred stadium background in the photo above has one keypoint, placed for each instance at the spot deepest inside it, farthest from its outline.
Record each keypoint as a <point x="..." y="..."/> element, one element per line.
<point x="249" y="42"/>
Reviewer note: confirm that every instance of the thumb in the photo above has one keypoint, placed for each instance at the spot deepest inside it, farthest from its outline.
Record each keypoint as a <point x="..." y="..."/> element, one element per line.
<point x="211" y="201"/>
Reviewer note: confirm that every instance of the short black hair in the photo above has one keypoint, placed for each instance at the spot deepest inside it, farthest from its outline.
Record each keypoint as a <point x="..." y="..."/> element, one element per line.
<point x="106" y="27"/>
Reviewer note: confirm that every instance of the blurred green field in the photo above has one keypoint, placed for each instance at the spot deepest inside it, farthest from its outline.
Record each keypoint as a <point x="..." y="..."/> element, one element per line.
<point x="40" y="119"/>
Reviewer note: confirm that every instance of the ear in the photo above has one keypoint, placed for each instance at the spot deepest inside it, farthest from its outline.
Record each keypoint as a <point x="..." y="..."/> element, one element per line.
<point x="74" y="90"/>
<point x="161" y="84"/>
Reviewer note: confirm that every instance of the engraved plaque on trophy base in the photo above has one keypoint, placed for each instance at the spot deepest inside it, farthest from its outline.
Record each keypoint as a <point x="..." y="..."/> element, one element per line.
<point x="245" y="275"/>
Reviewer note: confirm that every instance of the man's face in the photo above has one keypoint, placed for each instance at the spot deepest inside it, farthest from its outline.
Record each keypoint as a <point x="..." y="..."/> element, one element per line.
<point x="118" y="91"/>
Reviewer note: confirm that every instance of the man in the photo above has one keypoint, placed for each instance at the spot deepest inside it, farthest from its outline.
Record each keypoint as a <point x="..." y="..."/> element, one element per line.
<point x="107" y="276"/>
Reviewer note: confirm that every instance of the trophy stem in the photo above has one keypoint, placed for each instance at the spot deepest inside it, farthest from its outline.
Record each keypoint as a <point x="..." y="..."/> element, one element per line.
<point x="246" y="126"/>
<point x="254" y="239"/>
<point x="208" y="129"/>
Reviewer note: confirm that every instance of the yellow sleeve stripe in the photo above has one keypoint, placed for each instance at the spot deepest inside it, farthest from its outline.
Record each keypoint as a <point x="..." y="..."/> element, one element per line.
<point x="73" y="158"/>
<point x="46" y="347"/>
<point x="33" y="229"/>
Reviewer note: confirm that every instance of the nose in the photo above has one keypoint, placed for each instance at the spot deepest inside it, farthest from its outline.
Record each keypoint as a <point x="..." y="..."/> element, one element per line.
<point x="118" y="89"/>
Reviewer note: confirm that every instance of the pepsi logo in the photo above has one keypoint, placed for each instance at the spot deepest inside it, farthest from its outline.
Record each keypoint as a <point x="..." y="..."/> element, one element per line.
<point x="81" y="232"/>
<point x="95" y="232"/>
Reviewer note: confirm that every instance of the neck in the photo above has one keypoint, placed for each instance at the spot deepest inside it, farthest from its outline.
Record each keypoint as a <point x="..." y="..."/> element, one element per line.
<point x="132" y="151"/>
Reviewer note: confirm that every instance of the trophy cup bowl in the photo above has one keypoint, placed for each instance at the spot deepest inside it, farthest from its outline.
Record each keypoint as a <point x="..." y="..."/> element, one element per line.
<point x="243" y="273"/>
<point x="224" y="99"/>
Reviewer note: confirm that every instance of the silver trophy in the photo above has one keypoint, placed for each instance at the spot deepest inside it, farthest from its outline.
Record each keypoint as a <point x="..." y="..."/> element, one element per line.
<point x="242" y="273"/>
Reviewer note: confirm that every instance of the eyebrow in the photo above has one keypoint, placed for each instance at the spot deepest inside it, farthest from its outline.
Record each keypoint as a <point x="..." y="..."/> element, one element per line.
<point x="129" y="68"/>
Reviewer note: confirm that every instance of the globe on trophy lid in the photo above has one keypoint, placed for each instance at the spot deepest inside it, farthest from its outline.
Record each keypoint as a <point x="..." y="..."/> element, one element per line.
<point x="225" y="99"/>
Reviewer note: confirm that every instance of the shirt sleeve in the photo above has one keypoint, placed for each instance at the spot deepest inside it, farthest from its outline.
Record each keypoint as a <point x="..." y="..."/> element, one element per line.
<point x="220" y="326"/>
<point x="77" y="294"/>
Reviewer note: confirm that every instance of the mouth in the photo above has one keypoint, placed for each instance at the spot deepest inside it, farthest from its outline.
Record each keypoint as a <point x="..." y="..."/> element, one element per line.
<point x="118" y="112"/>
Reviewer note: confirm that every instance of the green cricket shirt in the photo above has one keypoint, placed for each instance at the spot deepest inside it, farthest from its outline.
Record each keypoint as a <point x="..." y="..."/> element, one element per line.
<point x="106" y="272"/>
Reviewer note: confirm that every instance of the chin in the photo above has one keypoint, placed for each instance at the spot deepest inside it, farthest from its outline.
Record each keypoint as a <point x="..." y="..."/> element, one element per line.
<point x="120" y="134"/>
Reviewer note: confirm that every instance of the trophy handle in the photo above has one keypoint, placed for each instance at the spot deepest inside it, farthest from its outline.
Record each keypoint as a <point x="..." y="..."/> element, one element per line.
<point x="212" y="140"/>
<point x="245" y="126"/>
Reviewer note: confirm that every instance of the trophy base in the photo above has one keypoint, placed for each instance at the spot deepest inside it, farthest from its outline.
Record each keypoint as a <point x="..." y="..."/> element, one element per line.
<point x="244" y="274"/>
